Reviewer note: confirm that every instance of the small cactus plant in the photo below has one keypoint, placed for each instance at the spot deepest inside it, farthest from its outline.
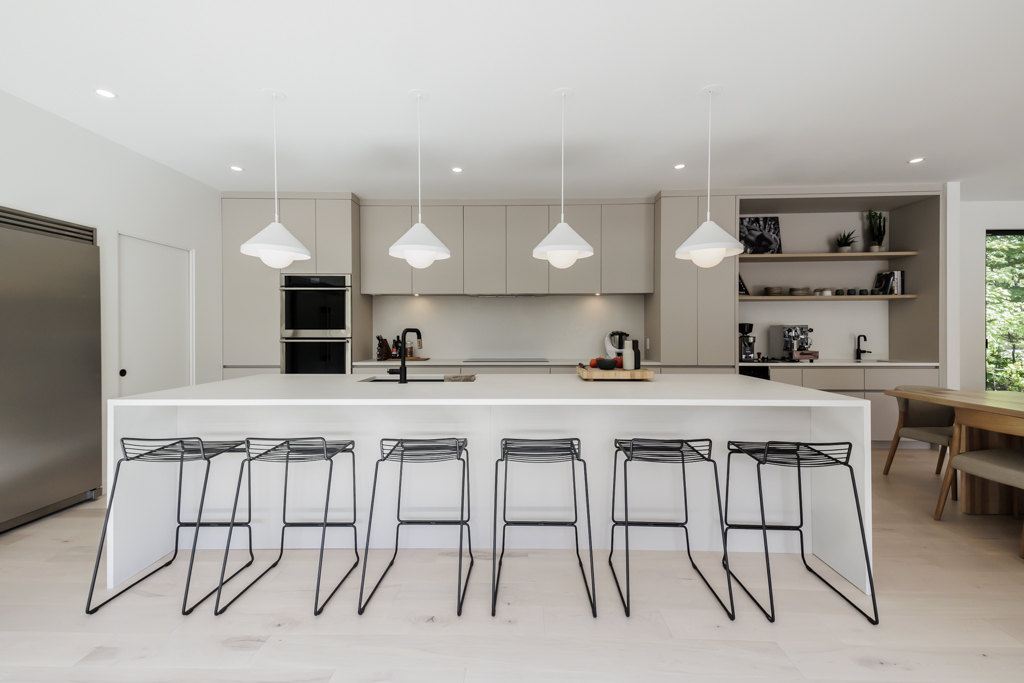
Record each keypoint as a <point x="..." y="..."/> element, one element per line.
<point x="846" y="239"/>
<point x="876" y="227"/>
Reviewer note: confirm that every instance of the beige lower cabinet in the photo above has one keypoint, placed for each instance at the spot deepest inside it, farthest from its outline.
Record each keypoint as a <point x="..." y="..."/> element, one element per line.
<point x="235" y="373"/>
<point x="884" y="415"/>
<point x="792" y="376"/>
<point x="697" y="370"/>
<point x="881" y="379"/>
<point x="833" y="379"/>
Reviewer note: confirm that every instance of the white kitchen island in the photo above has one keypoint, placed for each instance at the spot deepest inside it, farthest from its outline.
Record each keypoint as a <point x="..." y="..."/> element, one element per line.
<point x="719" y="407"/>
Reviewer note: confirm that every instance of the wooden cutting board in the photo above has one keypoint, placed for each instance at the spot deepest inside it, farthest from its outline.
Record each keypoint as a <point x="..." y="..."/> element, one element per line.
<point x="591" y="374"/>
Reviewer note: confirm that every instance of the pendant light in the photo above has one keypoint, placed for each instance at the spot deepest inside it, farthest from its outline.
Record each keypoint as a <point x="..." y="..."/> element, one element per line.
<point x="709" y="243"/>
<point x="563" y="245"/>
<point x="418" y="246"/>
<point x="274" y="245"/>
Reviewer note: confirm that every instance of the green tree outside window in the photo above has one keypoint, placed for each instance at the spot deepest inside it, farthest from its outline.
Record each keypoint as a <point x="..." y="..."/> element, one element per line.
<point x="1004" y="312"/>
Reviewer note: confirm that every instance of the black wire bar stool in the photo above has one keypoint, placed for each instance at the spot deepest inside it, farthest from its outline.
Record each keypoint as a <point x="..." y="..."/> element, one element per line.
<point x="535" y="452"/>
<point x="423" y="451"/>
<point x="171" y="451"/>
<point x="291" y="452"/>
<point x="800" y="456"/>
<point x="676" y="452"/>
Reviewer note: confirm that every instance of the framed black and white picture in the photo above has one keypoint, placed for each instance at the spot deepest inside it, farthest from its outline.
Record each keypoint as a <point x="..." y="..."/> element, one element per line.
<point x="760" y="235"/>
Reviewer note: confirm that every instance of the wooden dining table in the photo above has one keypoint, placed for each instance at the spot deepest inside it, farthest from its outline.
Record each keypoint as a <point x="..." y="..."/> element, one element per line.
<point x="984" y="419"/>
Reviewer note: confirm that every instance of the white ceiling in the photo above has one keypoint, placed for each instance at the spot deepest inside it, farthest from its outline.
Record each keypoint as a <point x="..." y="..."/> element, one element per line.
<point x="815" y="92"/>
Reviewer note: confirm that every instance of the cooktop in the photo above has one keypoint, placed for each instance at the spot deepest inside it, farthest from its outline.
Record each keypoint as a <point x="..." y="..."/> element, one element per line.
<point x="505" y="360"/>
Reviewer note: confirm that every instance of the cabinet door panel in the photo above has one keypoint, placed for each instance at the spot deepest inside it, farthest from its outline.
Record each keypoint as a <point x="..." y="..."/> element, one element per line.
<point x="334" y="236"/>
<point x="787" y="376"/>
<point x="252" y="299"/>
<point x="380" y="226"/>
<point x="484" y="247"/>
<point x="678" y="293"/>
<point x="525" y="227"/>
<point x="834" y="379"/>
<point x="890" y="378"/>
<point x="299" y="216"/>
<point x="885" y="414"/>
<point x="716" y="292"/>
<point x="627" y="248"/>
<point x="443" y="276"/>
<point x="584" y="276"/>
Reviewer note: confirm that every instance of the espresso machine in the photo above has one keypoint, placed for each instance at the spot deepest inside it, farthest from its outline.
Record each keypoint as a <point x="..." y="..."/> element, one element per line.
<point x="791" y="342"/>
<point x="747" y="343"/>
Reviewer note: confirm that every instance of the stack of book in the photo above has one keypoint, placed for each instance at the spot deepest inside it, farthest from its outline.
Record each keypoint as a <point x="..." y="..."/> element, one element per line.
<point x="891" y="282"/>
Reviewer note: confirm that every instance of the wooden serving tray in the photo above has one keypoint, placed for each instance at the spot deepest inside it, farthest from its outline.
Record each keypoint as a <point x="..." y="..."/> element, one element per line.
<point x="590" y="374"/>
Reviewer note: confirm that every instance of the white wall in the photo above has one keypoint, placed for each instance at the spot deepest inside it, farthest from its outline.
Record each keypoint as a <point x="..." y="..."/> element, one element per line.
<point x="461" y="327"/>
<point x="55" y="168"/>
<point x="975" y="219"/>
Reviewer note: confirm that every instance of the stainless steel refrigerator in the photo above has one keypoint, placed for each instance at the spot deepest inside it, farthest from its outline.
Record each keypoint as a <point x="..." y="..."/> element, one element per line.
<point x="50" y="401"/>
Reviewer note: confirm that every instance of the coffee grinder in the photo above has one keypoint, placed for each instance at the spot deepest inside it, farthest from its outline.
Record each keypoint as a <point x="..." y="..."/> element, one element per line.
<point x="747" y="342"/>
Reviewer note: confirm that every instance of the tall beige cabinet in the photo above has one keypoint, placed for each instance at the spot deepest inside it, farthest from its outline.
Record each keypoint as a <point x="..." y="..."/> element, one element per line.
<point x="329" y="227"/>
<point x="690" y="317"/>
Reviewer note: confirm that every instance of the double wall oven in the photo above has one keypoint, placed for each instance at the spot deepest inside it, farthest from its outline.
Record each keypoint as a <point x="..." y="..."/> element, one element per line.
<point x="316" y="324"/>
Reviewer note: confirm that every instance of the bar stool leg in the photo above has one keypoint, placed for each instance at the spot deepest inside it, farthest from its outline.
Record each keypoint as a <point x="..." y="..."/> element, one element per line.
<point x="89" y="608"/>
<point x="626" y="599"/>
<point x="495" y="558"/>
<point x="592" y="589"/>
<point x="185" y="609"/>
<point x="366" y="554"/>
<point x="770" y="615"/>
<point x="464" y="507"/>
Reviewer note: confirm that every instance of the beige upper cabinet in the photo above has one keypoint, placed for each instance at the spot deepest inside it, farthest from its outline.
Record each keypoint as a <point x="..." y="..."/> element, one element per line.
<point x="484" y="244"/>
<point x="299" y="216"/>
<point x="443" y="276"/>
<point x="334" y="236"/>
<point x="716" y="292"/>
<point x="525" y="227"/>
<point x="380" y="227"/>
<point x="584" y="276"/>
<point x="677" y="286"/>
<point x="252" y="300"/>
<point x="627" y="248"/>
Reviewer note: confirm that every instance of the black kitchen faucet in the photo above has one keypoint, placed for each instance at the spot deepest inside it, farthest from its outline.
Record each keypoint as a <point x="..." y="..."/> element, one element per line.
<point x="859" y="351"/>
<point x="403" y="376"/>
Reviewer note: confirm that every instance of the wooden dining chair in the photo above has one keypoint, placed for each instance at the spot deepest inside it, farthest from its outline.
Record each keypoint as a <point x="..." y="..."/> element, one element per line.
<point x="922" y="421"/>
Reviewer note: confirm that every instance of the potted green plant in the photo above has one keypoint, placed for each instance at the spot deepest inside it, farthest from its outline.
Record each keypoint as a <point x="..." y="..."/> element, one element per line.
<point x="876" y="229"/>
<point x="844" y="242"/>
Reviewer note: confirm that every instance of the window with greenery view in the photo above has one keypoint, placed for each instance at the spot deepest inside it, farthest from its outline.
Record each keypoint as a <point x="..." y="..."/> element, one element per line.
<point x="1004" y="311"/>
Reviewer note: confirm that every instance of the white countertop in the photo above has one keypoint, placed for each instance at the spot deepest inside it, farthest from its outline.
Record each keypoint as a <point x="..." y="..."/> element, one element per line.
<point x="490" y="389"/>
<point x="824" y="362"/>
<point x="457" y="362"/>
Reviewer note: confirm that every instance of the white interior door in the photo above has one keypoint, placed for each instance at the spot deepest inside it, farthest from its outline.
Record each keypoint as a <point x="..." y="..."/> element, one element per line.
<point x="155" y="319"/>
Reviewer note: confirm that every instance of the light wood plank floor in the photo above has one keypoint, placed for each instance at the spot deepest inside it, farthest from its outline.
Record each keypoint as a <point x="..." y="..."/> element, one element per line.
<point x="951" y="596"/>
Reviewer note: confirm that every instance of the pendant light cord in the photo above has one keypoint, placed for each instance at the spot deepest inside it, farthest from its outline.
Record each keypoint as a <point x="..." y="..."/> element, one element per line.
<point x="563" y="157"/>
<point x="277" y="204"/>
<point x="419" y="164"/>
<point x="709" y="155"/>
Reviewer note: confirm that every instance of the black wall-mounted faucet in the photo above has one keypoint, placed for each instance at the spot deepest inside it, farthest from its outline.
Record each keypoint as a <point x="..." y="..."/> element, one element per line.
<point x="403" y="376"/>
<point x="859" y="351"/>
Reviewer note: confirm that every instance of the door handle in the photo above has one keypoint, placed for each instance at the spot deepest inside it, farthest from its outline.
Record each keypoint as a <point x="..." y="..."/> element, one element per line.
<point x="123" y="372"/>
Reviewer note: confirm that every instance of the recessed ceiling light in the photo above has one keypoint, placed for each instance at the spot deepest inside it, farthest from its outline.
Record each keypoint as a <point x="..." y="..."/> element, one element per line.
<point x="105" y="93"/>
<point x="456" y="170"/>
<point x="679" y="166"/>
<point x="916" y="161"/>
<point x="236" y="168"/>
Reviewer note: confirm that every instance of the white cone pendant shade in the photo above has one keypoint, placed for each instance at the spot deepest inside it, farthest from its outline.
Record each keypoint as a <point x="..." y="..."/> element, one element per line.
<point x="419" y="247"/>
<point x="275" y="246"/>
<point x="562" y="247"/>
<point x="708" y="245"/>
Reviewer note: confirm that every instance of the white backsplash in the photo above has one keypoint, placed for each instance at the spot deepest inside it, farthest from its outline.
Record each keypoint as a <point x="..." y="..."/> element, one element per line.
<point x="461" y="327"/>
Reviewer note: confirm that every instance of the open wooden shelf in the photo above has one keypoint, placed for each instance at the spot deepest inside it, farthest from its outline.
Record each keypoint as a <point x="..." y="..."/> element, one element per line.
<point x="845" y="297"/>
<point x="851" y="256"/>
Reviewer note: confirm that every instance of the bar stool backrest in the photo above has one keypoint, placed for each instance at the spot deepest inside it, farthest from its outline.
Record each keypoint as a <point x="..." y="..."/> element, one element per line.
<point x="304" y="449"/>
<point x="421" y="450"/>
<point x="540" y="450"/>
<point x="163" y="450"/>
<point x="793" y="454"/>
<point x="922" y="413"/>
